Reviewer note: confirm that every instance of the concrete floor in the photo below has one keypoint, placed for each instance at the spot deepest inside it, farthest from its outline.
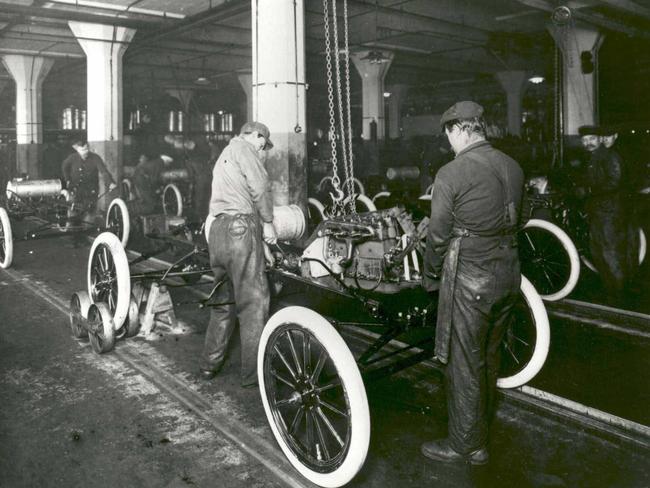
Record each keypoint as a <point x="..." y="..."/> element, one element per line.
<point x="137" y="417"/>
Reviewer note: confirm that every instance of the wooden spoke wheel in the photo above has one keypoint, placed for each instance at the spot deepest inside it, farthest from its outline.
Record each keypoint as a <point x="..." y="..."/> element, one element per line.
<point x="313" y="396"/>
<point x="109" y="277"/>
<point x="172" y="200"/>
<point x="526" y="340"/>
<point x="118" y="220"/>
<point x="549" y="259"/>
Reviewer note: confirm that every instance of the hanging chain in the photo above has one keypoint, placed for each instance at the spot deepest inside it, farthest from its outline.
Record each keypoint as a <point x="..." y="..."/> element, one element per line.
<point x="337" y="66"/>
<point x="350" y="170"/>
<point x="337" y="207"/>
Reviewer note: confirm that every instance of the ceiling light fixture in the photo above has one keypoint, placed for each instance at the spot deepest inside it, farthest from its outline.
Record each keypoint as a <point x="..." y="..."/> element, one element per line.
<point x="536" y="80"/>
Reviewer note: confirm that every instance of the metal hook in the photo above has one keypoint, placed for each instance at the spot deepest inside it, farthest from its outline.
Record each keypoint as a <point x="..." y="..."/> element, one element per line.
<point x="339" y="195"/>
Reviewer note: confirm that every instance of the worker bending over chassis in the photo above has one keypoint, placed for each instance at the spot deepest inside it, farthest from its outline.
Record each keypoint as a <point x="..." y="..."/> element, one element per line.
<point x="81" y="173"/>
<point x="147" y="180"/>
<point x="472" y="259"/>
<point x="242" y="208"/>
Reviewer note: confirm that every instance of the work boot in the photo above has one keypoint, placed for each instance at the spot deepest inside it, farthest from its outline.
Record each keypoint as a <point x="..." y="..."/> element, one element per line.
<point x="208" y="374"/>
<point x="443" y="452"/>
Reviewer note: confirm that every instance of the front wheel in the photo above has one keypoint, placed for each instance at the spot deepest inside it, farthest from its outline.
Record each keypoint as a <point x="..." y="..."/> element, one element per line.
<point x="118" y="220"/>
<point x="549" y="259"/>
<point x="526" y="340"/>
<point x="313" y="396"/>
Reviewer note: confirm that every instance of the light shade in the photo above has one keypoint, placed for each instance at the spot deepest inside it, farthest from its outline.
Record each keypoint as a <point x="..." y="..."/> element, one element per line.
<point x="536" y="80"/>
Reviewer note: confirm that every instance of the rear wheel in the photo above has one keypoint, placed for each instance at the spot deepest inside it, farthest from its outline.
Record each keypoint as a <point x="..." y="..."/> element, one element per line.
<point x="313" y="396"/>
<point x="6" y="240"/>
<point x="108" y="276"/>
<point x="526" y="340"/>
<point x="549" y="259"/>
<point x="172" y="200"/>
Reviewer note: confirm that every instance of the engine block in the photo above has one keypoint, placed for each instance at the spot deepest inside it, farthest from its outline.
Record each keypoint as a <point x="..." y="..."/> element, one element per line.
<point x="374" y="250"/>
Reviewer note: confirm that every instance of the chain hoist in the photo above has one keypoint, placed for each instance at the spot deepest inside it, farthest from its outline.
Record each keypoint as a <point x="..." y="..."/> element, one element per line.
<point x="337" y="200"/>
<point x="345" y="126"/>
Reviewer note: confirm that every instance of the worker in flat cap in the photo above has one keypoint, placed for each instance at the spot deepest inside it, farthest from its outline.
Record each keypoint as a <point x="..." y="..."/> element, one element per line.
<point x="240" y="220"/>
<point x="612" y="239"/>
<point x="472" y="260"/>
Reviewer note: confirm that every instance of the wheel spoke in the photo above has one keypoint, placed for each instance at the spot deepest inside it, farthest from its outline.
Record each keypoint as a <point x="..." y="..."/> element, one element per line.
<point x="330" y="427"/>
<point x="511" y="352"/>
<point x="332" y="408"/>
<point x="328" y="386"/>
<point x="296" y="420"/>
<point x="306" y="352"/>
<point x="294" y="354"/>
<point x="321" y="438"/>
<point x="286" y="363"/>
<point x="275" y="374"/>
<point x="319" y="366"/>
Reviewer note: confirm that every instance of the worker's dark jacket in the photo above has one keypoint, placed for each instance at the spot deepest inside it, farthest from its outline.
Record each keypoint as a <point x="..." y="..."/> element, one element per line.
<point x="612" y="239"/>
<point x="147" y="179"/>
<point x="82" y="175"/>
<point x="471" y="247"/>
<point x="468" y="226"/>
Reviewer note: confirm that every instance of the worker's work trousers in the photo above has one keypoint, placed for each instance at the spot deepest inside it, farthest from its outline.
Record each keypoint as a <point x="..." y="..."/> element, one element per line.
<point x="613" y="244"/>
<point x="237" y="254"/>
<point x="485" y="294"/>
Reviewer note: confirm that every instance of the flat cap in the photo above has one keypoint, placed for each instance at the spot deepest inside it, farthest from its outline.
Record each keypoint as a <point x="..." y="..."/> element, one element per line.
<point x="461" y="110"/>
<point x="261" y="129"/>
<point x="589" y="130"/>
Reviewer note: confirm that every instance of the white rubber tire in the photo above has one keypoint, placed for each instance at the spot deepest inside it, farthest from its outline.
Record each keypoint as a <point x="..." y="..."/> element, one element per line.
<point x="381" y="194"/>
<point x="120" y="205"/>
<point x="127" y="189"/>
<point x="122" y="274"/>
<point x="177" y="195"/>
<point x="569" y="248"/>
<point x="542" y="342"/>
<point x="357" y="185"/>
<point x="643" y="246"/>
<point x="320" y="208"/>
<point x="350" y="376"/>
<point x="322" y="182"/>
<point x="106" y="341"/>
<point x="366" y="201"/>
<point x="7" y="239"/>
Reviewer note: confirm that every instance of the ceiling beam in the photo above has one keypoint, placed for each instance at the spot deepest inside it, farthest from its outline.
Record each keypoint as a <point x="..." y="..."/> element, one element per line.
<point x="52" y="13"/>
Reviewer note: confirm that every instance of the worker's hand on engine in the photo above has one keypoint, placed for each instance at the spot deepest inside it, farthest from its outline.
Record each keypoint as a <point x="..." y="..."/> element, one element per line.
<point x="269" y="234"/>
<point x="111" y="186"/>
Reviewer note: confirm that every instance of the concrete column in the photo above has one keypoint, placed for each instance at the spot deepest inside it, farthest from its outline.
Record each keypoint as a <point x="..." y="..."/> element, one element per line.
<point x="104" y="81"/>
<point x="278" y="94"/>
<point x="246" y="82"/>
<point x="28" y="72"/>
<point x="514" y="84"/>
<point x="580" y="90"/>
<point x="395" y="102"/>
<point x="372" y="77"/>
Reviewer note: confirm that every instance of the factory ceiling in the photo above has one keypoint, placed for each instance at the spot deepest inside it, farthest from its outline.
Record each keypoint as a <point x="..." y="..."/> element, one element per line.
<point x="435" y="42"/>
